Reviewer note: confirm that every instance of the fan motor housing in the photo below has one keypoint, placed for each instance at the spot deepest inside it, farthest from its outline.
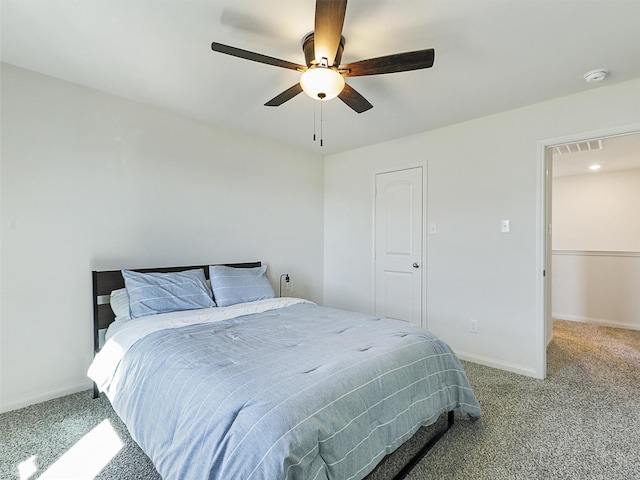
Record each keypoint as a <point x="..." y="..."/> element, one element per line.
<point x="308" y="48"/>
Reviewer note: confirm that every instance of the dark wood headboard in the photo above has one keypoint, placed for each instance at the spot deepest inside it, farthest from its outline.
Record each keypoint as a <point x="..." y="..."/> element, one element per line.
<point x="105" y="281"/>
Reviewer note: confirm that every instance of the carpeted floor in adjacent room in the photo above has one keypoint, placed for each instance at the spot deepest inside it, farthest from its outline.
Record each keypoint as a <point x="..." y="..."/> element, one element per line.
<point x="582" y="422"/>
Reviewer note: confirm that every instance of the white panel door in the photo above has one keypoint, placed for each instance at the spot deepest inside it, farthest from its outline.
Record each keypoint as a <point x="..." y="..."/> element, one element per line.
<point x="398" y="245"/>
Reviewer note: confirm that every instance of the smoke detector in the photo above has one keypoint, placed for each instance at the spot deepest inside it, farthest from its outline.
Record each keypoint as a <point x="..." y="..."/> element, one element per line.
<point x="595" y="75"/>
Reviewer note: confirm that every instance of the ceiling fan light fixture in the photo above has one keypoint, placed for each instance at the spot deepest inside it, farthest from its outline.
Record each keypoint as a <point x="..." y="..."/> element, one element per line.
<point x="322" y="83"/>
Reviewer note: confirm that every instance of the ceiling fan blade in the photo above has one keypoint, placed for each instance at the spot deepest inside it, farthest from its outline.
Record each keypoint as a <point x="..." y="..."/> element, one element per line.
<point x="354" y="100"/>
<point x="256" y="57"/>
<point x="288" y="94"/>
<point x="399" y="62"/>
<point x="328" y="28"/>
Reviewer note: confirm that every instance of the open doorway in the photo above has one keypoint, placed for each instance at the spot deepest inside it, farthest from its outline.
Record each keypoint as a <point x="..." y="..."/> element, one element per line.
<point x="626" y="252"/>
<point x="593" y="241"/>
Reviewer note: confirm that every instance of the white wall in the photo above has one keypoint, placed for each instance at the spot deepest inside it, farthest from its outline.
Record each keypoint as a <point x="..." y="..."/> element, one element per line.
<point x="92" y="181"/>
<point x="597" y="287"/>
<point x="596" y="243"/>
<point x="479" y="172"/>
<point x="597" y="211"/>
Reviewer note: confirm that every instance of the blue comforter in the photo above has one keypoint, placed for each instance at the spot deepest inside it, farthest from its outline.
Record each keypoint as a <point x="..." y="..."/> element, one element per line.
<point x="300" y="392"/>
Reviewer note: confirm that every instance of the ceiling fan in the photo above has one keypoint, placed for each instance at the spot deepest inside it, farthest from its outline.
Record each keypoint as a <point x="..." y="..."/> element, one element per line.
<point x="323" y="75"/>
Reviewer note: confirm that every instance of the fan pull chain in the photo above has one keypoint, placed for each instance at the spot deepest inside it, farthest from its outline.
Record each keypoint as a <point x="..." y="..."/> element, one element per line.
<point x="321" y="122"/>
<point x="321" y="135"/>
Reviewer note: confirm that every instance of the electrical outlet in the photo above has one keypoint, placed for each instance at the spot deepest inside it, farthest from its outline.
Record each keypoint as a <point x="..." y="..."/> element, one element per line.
<point x="473" y="325"/>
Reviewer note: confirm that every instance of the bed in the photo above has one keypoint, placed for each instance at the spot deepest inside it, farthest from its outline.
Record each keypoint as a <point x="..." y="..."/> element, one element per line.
<point x="269" y="388"/>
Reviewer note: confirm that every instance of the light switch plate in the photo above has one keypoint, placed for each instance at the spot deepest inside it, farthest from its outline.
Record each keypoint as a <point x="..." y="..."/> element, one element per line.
<point x="505" y="226"/>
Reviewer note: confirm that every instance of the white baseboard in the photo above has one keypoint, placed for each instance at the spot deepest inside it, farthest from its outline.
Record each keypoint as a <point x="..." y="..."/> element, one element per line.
<point x="595" y="321"/>
<point x="492" y="362"/>
<point x="25" y="401"/>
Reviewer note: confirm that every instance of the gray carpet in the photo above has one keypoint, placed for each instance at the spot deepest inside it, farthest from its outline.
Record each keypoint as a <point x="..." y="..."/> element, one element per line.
<point x="582" y="422"/>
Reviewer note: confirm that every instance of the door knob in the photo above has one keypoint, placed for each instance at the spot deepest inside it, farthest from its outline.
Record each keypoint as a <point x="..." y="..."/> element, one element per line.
<point x="416" y="265"/>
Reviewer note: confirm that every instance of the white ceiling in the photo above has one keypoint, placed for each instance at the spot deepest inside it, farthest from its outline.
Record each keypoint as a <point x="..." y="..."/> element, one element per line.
<point x="491" y="56"/>
<point x="616" y="153"/>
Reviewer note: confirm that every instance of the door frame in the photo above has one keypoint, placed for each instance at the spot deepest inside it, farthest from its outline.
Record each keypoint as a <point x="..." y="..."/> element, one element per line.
<point x="543" y="233"/>
<point x="424" y="263"/>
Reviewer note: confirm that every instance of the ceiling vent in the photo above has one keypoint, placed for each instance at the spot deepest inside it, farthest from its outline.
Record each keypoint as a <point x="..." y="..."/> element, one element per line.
<point x="587" y="146"/>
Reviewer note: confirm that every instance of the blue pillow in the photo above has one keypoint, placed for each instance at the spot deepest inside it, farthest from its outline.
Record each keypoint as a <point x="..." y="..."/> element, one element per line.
<point x="238" y="285"/>
<point x="152" y="293"/>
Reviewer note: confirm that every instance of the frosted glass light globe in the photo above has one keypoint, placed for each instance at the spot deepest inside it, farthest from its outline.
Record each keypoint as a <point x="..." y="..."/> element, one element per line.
<point x="322" y="83"/>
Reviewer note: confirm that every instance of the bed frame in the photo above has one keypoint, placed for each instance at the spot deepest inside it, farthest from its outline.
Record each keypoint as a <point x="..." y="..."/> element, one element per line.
<point x="105" y="281"/>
